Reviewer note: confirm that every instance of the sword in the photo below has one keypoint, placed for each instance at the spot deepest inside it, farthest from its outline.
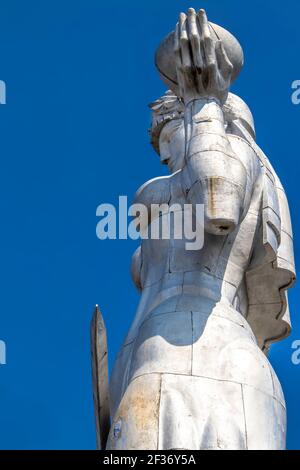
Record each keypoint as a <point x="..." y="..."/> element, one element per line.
<point x="100" y="378"/>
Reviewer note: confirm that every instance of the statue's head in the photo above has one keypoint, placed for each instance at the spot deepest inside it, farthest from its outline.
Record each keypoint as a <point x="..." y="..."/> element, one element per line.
<point x="168" y="139"/>
<point x="167" y="131"/>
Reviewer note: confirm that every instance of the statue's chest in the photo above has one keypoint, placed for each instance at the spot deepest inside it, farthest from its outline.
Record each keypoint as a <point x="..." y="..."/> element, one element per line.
<point x="168" y="246"/>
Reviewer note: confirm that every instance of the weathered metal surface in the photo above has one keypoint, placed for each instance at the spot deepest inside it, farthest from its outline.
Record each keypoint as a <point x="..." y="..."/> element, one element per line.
<point x="192" y="373"/>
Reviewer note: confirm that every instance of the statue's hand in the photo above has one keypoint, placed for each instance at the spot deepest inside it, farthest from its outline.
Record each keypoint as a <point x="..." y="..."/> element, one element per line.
<point x="203" y="67"/>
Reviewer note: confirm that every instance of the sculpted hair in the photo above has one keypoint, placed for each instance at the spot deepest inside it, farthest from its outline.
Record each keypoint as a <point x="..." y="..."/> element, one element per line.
<point x="165" y="109"/>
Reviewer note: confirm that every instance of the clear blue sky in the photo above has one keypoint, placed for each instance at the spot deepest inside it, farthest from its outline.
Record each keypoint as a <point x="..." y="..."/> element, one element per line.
<point x="79" y="76"/>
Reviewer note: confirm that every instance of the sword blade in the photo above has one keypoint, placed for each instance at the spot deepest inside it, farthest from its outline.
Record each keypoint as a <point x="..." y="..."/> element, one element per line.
<point x="100" y="378"/>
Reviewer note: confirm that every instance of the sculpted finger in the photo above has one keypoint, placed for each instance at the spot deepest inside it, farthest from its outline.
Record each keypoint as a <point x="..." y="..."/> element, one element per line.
<point x="207" y="41"/>
<point x="184" y="42"/>
<point x="177" y="48"/>
<point x="194" y="37"/>
<point x="224" y="64"/>
<point x="178" y="59"/>
<point x="203" y="22"/>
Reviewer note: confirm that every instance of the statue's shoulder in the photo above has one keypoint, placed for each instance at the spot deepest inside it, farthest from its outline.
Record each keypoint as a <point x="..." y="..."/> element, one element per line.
<point x="157" y="190"/>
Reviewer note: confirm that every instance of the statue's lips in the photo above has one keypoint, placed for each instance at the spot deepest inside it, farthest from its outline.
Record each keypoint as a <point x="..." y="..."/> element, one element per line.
<point x="165" y="61"/>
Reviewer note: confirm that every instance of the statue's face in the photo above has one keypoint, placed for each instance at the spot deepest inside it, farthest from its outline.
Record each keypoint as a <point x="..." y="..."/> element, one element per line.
<point x="171" y="144"/>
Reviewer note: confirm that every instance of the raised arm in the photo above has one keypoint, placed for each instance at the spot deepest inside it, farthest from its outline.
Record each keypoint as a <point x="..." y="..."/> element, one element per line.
<point x="213" y="174"/>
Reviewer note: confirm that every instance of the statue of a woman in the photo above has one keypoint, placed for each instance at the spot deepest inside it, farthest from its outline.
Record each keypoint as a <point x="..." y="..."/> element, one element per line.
<point x="193" y="372"/>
